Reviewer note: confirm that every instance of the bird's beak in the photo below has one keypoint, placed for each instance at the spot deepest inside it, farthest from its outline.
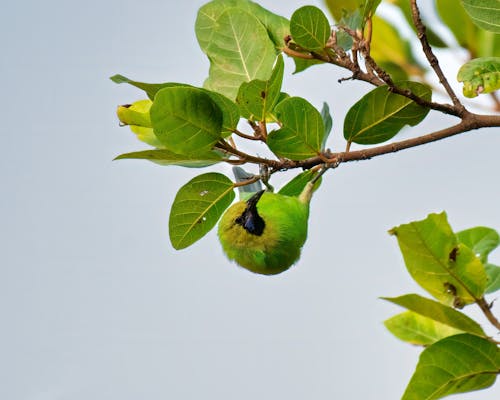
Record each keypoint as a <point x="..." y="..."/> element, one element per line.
<point x="252" y="201"/>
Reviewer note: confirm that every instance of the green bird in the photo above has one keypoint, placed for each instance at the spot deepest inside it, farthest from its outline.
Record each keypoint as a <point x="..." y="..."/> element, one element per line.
<point x="265" y="234"/>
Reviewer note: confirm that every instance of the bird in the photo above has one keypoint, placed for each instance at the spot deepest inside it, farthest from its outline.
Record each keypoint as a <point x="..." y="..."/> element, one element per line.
<point x="265" y="233"/>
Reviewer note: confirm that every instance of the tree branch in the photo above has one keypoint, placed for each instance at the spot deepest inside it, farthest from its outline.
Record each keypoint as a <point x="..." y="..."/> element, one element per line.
<point x="433" y="61"/>
<point x="486" y="309"/>
<point x="470" y="122"/>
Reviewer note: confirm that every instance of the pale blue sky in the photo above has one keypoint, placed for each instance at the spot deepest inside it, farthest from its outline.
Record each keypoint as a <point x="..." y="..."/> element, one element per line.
<point x="97" y="305"/>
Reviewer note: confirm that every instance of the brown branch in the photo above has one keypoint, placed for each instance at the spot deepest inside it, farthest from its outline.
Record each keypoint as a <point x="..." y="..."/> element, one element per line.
<point x="380" y="78"/>
<point x="247" y="182"/>
<point x="486" y="309"/>
<point x="470" y="122"/>
<point x="244" y="157"/>
<point x="245" y="136"/>
<point x="297" y="54"/>
<point x="445" y="108"/>
<point x="433" y="61"/>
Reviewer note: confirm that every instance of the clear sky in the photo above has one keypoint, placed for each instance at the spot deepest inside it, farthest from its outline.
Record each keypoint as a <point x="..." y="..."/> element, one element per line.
<point x="96" y="304"/>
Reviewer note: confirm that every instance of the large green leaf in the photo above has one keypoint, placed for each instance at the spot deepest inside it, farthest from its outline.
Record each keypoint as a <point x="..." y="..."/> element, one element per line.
<point x="257" y="98"/>
<point x="454" y="16"/>
<point x="239" y="49"/>
<point x="381" y="114"/>
<point x="493" y="273"/>
<point x="136" y="113"/>
<point x="438" y="312"/>
<point x="341" y="8"/>
<point x="277" y="26"/>
<point x="299" y="182"/>
<point x="150" y="88"/>
<point x="481" y="240"/>
<point x="433" y="38"/>
<point x="481" y="75"/>
<point x="435" y="259"/>
<point x="456" y="364"/>
<point x="302" y="64"/>
<point x="417" y="329"/>
<point x="327" y="119"/>
<point x="388" y="45"/>
<point x="488" y="43"/>
<point x="484" y="13"/>
<point x="231" y="113"/>
<point x="186" y="120"/>
<point x="166" y="157"/>
<point x="302" y="133"/>
<point x="197" y="207"/>
<point x="310" y="28"/>
<point x="136" y="116"/>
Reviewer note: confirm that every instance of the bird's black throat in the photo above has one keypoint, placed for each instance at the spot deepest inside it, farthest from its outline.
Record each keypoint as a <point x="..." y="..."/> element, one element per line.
<point x="250" y="220"/>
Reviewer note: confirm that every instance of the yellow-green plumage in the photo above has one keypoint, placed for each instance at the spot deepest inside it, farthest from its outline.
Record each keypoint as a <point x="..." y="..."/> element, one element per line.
<point x="277" y="247"/>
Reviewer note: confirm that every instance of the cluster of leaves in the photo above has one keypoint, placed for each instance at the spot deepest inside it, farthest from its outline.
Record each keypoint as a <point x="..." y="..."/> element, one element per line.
<point x="454" y="269"/>
<point x="197" y="127"/>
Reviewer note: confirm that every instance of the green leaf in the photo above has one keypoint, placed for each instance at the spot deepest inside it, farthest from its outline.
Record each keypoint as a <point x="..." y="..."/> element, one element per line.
<point x="299" y="182"/>
<point x="136" y="116"/>
<point x="146" y="135"/>
<point x="493" y="273"/>
<point x="238" y="47"/>
<point x="327" y="119"/>
<point x="432" y="37"/>
<point x="136" y="113"/>
<point x="416" y="329"/>
<point x="488" y="43"/>
<point x="257" y="98"/>
<point x="435" y="259"/>
<point x="150" y="88"/>
<point x="388" y="45"/>
<point x="166" y="157"/>
<point x="456" y="364"/>
<point x="341" y="8"/>
<point x="454" y="16"/>
<point x="369" y="8"/>
<point x="481" y="75"/>
<point x="197" y="207"/>
<point x="484" y="13"/>
<point x="438" y="312"/>
<point x="302" y="133"/>
<point x="310" y="28"/>
<point x="481" y="240"/>
<point x="277" y="26"/>
<point x="230" y="111"/>
<point x="302" y="64"/>
<point x="186" y="120"/>
<point x="381" y="114"/>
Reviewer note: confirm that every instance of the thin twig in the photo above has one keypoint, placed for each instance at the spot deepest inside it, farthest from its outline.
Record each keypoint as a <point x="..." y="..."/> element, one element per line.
<point x="247" y="158"/>
<point x="245" y="136"/>
<point x="249" y="181"/>
<point x="445" y="108"/>
<point x="486" y="309"/>
<point x="433" y="61"/>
